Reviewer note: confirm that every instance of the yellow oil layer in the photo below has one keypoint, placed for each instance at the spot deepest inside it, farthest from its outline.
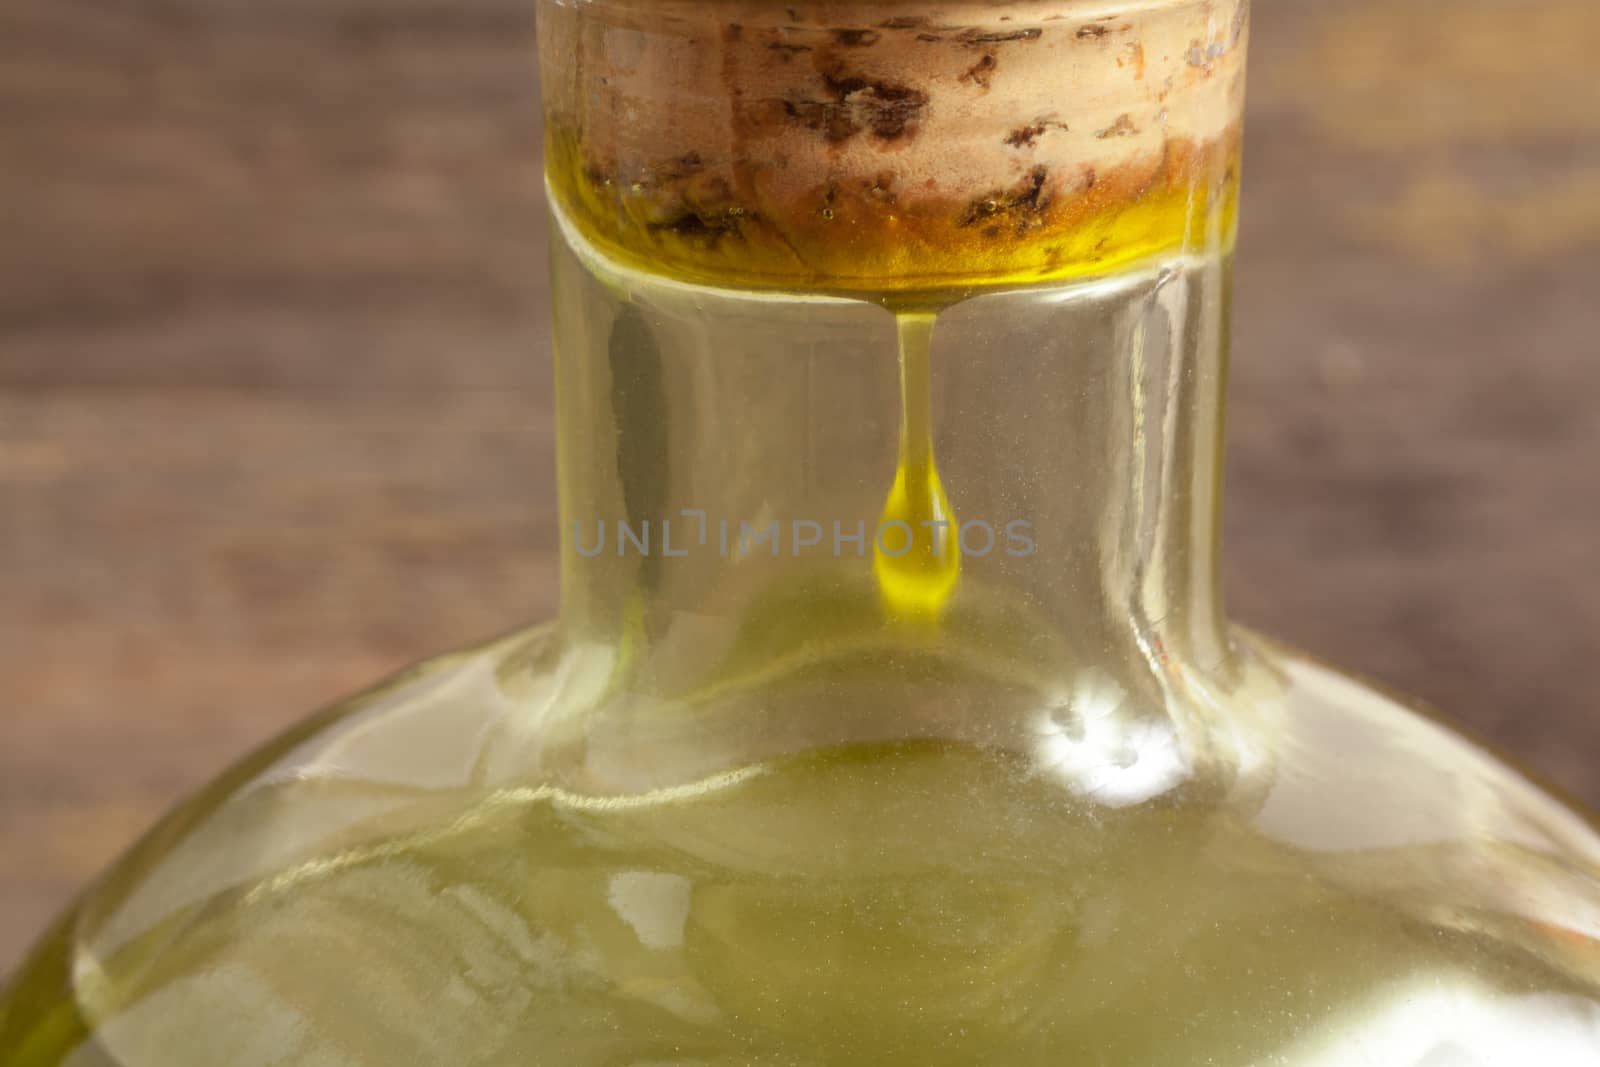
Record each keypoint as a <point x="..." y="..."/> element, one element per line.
<point x="917" y="561"/>
<point x="686" y="219"/>
<point x="847" y="906"/>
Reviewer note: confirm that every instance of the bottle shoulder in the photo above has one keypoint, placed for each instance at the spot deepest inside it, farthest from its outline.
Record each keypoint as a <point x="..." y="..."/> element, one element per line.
<point x="427" y="869"/>
<point x="1357" y="767"/>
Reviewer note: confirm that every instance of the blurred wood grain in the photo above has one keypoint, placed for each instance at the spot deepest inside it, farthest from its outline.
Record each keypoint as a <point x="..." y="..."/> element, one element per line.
<point x="275" y="415"/>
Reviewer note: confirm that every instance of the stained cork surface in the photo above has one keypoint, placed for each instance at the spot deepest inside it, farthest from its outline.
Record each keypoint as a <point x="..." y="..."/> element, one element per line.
<point x="874" y="147"/>
<point x="275" y="410"/>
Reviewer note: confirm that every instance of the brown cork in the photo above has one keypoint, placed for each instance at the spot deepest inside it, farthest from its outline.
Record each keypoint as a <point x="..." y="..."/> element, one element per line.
<point x="869" y="142"/>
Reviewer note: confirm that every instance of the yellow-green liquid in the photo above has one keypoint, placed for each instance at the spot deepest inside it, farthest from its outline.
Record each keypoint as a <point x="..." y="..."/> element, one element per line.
<point x="853" y="240"/>
<point x="892" y="904"/>
<point x="853" y="811"/>
<point x="917" y="559"/>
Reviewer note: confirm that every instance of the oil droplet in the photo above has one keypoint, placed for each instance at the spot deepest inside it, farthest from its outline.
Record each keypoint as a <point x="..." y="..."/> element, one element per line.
<point x="917" y="560"/>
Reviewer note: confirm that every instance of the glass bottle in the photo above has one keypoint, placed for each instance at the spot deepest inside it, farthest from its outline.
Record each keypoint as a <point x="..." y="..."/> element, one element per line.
<point x="892" y="716"/>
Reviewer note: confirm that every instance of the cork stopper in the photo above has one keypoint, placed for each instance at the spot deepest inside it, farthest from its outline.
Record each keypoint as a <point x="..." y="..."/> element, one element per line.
<point x="891" y="146"/>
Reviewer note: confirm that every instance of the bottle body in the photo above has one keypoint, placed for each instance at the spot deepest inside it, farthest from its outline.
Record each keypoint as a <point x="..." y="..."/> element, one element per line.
<point x="1385" y="893"/>
<point x="892" y="716"/>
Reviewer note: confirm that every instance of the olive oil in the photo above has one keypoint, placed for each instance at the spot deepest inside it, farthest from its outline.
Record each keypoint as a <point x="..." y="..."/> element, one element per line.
<point x="892" y="717"/>
<point x="917" y="573"/>
<point x="849" y="808"/>
<point x="862" y="235"/>
<point x="847" y="905"/>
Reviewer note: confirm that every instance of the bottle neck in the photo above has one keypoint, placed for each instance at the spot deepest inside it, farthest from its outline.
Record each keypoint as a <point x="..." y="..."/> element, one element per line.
<point x="759" y="484"/>
<point x="983" y="516"/>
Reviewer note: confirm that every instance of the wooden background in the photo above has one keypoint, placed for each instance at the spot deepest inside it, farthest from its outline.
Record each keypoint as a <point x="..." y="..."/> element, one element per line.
<point x="274" y="401"/>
